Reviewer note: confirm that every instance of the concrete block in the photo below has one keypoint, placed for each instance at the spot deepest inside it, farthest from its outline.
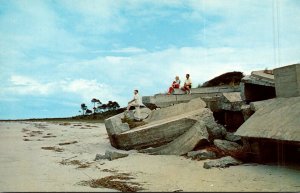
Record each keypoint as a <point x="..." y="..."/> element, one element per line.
<point x="186" y="142"/>
<point x="287" y="81"/>
<point x="176" y="110"/>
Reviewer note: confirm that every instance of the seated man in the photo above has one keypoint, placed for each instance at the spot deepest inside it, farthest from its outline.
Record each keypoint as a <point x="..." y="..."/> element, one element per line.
<point x="187" y="84"/>
<point x="135" y="102"/>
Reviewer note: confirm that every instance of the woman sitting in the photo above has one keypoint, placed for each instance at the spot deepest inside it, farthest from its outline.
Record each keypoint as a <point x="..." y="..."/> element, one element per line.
<point x="175" y="84"/>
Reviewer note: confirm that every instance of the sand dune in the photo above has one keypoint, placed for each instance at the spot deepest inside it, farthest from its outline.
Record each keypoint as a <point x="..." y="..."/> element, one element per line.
<point x="48" y="156"/>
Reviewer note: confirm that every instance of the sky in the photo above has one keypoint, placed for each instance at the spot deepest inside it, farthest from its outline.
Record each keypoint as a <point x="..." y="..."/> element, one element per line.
<point x="57" y="54"/>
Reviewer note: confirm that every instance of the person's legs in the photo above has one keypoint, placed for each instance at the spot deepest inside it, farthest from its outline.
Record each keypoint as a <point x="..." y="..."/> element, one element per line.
<point x="171" y="89"/>
<point x="132" y="104"/>
<point x="138" y="112"/>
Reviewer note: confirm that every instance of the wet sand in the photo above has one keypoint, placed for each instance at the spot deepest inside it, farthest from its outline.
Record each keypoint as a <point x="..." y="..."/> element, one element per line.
<point x="48" y="156"/>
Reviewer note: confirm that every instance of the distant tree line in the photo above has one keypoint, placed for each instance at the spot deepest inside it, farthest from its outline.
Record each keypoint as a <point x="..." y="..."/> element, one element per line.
<point x="98" y="107"/>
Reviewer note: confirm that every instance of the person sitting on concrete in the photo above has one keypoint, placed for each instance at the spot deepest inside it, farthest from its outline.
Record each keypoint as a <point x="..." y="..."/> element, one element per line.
<point x="187" y="84"/>
<point x="135" y="102"/>
<point x="176" y="84"/>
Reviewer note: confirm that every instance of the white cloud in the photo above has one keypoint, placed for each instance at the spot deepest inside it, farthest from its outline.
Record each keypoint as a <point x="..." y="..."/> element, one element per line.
<point x="89" y="89"/>
<point x="28" y="86"/>
<point x="83" y="89"/>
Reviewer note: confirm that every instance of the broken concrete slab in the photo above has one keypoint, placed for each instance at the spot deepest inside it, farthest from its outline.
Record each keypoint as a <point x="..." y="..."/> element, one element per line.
<point x="231" y="101"/>
<point x="258" y="86"/>
<point x="144" y="113"/>
<point x="163" y="100"/>
<point x="202" y="154"/>
<point x="176" y="110"/>
<point x="222" y="162"/>
<point x="154" y="134"/>
<point x="231" y="137"/>
<point x="196" y="135"/>
<point x="111" y="155"/>
<point x="215" y="130"/>
<point x="276" y="119"/>
<point x="227" y="146"/>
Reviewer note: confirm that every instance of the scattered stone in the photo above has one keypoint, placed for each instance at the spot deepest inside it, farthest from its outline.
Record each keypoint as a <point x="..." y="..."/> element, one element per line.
<point x="222" y="162"/>
<point x="227" y="146"/>
<point x="202" y="154"/>
<point x="231" y="137"/>
<point x="111" y="155"/>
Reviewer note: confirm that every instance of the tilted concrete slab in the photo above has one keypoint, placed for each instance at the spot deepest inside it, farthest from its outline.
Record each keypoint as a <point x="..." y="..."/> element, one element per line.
<point x="158" y="132"/>
<point x="163" y="125"/>
<point x="184" y="143"/>
<point x="175" y="110"/>
<point x="257" y="86"/>
<point x="259" y="78"/>
<point x="274" y="119"/>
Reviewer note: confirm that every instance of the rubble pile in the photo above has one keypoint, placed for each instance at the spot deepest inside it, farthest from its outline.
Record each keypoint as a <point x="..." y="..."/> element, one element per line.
<point x="230" y="120"/>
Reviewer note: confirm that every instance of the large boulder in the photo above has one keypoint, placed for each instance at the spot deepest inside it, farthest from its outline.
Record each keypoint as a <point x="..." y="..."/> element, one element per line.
<point x="222" y="162"/>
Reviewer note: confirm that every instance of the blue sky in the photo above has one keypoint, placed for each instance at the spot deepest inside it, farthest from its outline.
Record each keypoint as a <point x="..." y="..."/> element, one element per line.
<point x="55" y="55"/>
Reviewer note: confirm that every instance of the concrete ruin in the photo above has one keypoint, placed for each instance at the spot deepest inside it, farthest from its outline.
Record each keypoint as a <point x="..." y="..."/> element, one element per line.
<point x="273" y="130"/>
<point x="233" y="119"/>
<point x="287" y="81"/>
<point x="258" y="86"/>
<point x="165" y="127"/>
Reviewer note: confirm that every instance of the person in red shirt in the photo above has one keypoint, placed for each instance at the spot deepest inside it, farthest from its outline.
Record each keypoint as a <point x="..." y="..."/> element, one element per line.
<point x="175" y="84"/>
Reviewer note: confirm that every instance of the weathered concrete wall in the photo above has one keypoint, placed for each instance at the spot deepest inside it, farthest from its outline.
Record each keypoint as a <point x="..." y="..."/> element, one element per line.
<point x="287" y="81"/>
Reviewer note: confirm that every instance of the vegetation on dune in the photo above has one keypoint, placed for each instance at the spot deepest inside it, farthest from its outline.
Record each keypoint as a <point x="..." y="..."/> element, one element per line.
<point x="229" y="78"/>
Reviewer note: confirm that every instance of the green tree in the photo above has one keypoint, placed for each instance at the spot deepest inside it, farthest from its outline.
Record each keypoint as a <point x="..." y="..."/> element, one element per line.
<point x="83" y="108"/>
<point x="94" y="100"/>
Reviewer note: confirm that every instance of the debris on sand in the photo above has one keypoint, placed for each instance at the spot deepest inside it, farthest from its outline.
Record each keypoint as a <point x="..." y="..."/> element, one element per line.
<point x="65" y="124"/>
<point x="111" y="155"/>
<point x="68" y="143"/>
<point x="117" y="182"/>
<point x="202" y="154"/>
<point x="80" y="164"/>
<point x="57" y="149"/>
<point x="222" y="162"/>
<point x="49" y="136"/>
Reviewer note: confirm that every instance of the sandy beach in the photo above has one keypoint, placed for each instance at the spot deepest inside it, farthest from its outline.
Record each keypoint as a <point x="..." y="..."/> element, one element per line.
<point x="49" y="156"/>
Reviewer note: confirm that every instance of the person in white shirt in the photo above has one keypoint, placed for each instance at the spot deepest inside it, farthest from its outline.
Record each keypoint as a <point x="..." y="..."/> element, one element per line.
<point x="135" y="102"/>
<point x="187" y="84"/>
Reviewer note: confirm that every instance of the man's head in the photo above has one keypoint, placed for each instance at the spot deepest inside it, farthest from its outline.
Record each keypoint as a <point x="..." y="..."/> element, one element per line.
<point x="136" y="91"/>
<point x="187" y="76"/>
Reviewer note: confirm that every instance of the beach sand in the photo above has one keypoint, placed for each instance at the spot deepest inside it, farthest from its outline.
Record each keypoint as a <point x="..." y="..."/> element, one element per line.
<point x="34" y="157"/>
